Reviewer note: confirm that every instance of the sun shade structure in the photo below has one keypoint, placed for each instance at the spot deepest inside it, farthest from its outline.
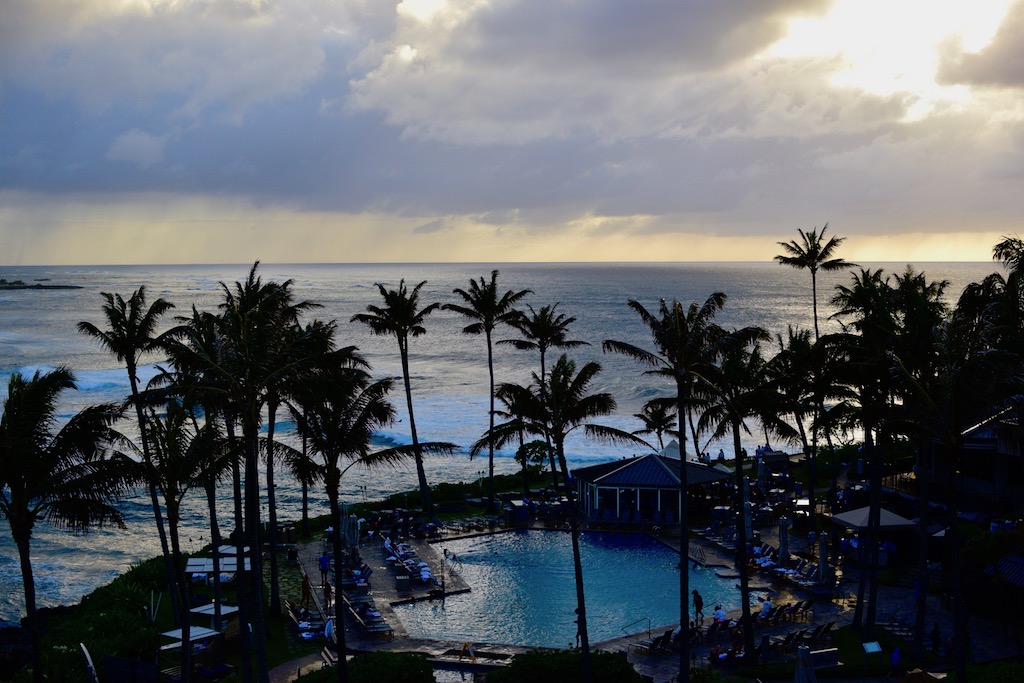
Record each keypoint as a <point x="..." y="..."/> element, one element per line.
<point x="858" y="519"/>
<point x="639" y="489"/>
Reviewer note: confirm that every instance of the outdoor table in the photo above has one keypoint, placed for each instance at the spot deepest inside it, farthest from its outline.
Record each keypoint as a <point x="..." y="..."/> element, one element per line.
<point x="204" y="565"/>
<point x="208" y="610"/>
<point x="196" y="633"/>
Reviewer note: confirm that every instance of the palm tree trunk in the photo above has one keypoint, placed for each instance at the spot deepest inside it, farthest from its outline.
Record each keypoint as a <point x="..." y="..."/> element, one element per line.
<point x="577" y="563"/>
<point x="238" y="541"/>
<point x="421" y="475"/>
<point x="742" y="565"/>
<point x="154" y="499"/>
<point x="490" y="415"/>
<point x="275" y="588"/>
<point x="339" y="600"/>
<point x="874" y="527"/>
<point x="305" y="488"/>
<point x="183" y="605"/>
<point x="684" y="537"/>
<point x="215" y="541"/>
<point x="23" y="540"/>
<point x="922" y="550"/>
<point x="252" y="510"/>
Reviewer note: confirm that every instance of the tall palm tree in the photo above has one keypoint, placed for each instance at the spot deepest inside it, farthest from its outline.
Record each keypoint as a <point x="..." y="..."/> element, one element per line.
<point x="685" y="341"/>
<point x="487" y="309"/>
<point x="245" y="366"/>
<point x="402" y="318"/>
<point x="130" y="334"/>
<point x="870" y="310"/>
<point x="737" y="384"/>
<point x="185" y="456"/>
<point x="659" y="418"/>
<point x="813" y="253"/>
<point x="59" y="476"/>
<point x="339" y="415"/>
<point x="542" y="330"/>
<point x="558" y="409"/>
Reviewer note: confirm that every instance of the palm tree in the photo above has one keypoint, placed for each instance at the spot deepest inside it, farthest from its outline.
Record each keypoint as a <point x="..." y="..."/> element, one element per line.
<point x="685" y="342"/>
<point x="737" y="384"/>
<point x="542" y="330"/>
<point x="248" y="363"/>
<point x="811" y="254"/>
<point x="339" y="416"/>
<point x="402" y="317"/>
<point x="130" y="334"/>
<point x="659" y="418"/>
<point x="487" y="310"/>
<point x="185" y="455"/>
<point x="557" y="408"/>
<point x="58" y="476"/>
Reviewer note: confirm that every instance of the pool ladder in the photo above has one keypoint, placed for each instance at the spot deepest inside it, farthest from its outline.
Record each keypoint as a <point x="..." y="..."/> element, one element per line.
<point x="699" y="556"/>
<point x="626" y="629"/>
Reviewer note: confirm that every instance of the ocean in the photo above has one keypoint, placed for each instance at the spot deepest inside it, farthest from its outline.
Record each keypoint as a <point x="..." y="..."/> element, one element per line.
<point x="449" y="369"/>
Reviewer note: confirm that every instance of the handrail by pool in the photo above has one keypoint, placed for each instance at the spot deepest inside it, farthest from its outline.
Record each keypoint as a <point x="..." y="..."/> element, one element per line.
<point x="629" y="633"/>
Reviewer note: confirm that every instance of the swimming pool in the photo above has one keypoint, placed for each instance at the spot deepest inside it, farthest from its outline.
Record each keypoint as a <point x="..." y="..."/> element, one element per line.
<point x="523" y="591"/>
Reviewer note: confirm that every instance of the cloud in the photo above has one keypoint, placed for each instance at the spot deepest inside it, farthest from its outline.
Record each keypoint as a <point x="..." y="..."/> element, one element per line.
<point x="137" y="147"/>
<point x="1000" y="64"/>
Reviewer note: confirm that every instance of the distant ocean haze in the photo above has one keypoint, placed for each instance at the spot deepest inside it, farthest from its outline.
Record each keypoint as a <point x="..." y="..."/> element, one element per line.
<point x="449" y="368"/>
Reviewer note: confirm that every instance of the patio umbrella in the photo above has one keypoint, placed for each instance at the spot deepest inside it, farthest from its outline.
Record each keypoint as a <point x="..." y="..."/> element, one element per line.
<point x="352" y="531"/>
<point x="748" y="520"/>
<point x="343" y="531"/>
<point x="804" y="671"/>
<point x="762" y="476"/>
<point x="783" y="541"/>
<point x="824" y="568"/>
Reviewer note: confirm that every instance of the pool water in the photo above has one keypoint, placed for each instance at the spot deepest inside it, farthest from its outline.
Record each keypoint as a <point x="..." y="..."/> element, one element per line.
<point x="523" y="591"/>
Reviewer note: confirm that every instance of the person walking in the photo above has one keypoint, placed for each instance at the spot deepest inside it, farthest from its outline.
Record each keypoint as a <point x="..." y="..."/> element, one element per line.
<point x="328" y="597"/>
<point x="307" y="593"/>
<point x="698" y="606"/>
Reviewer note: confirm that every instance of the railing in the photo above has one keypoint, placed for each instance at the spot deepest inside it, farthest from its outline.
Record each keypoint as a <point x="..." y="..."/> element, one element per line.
<point x="699" y="556"/>
<point x="626" y="629"/>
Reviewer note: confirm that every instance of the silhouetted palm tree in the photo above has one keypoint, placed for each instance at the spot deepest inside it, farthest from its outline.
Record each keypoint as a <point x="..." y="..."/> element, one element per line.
<point x="339" y="415"/>
<point x="130" y="333"/>
<point x="487" y="309"/>
<point x="557" y="408"/>
<point x="738" y="384"/>
<point x="542" y="330"/>
<point x="685" y="342"/>
<point x="659" y="418"/>
<point x="402" y="318"/>
<point x="184" y="456"/>
<point x="59" y="476"/>
<point x="813" y="255"/>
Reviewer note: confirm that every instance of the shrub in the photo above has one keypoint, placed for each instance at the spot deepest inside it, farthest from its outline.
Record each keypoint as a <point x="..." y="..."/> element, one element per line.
<point x="564" y="665"/>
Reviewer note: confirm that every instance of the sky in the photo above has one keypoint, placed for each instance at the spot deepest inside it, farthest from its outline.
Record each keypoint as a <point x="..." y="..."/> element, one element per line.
<point x="225" y="131"/>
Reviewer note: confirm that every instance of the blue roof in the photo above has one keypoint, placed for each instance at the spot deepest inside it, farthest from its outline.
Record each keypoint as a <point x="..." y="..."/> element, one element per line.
<point x="651" y="471"/>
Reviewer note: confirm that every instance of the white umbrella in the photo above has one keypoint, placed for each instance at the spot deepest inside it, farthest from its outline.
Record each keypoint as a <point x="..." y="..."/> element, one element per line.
<point x="804" y="671"/>
<point x="783" y="541"/>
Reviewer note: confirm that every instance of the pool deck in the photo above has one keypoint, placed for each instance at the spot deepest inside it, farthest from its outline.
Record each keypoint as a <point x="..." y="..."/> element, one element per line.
<point x="989" y="639"/>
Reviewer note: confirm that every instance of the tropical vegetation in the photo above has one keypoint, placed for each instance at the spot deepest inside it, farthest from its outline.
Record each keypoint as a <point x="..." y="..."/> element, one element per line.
<point x="904" y="371"/>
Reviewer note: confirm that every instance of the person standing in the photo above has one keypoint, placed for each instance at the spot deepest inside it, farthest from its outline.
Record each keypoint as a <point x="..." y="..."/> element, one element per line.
<point x="325" y="568"/>
<point x="698" y="606"/>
